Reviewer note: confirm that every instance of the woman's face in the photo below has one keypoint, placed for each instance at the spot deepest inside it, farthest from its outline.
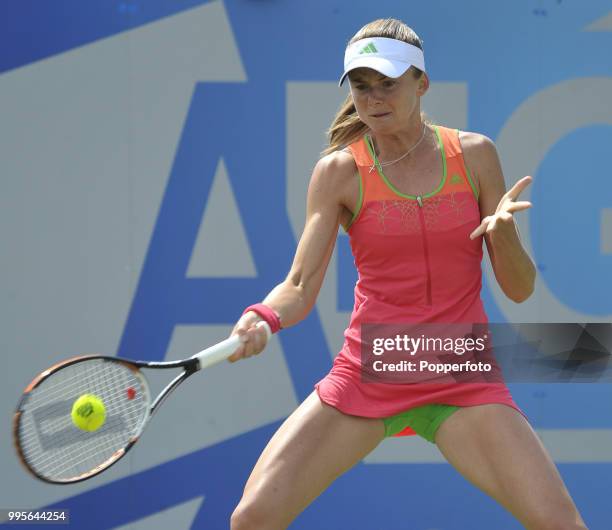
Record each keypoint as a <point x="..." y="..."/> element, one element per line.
<point x="386" y="104"/>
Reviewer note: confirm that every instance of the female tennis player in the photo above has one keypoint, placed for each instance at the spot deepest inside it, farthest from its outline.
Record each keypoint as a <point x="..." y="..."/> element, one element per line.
<point x="416" y="200"/>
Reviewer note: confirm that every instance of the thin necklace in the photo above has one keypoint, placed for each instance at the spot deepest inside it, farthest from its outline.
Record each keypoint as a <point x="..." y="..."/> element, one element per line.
<point x="383" y="164"/>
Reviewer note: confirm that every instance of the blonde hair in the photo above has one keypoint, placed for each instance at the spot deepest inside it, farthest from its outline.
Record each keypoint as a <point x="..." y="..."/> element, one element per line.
<point x="346" y="126"/>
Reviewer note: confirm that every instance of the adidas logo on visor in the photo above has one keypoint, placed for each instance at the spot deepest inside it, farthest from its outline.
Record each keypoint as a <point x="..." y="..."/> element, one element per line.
<point x="369" y="48"/>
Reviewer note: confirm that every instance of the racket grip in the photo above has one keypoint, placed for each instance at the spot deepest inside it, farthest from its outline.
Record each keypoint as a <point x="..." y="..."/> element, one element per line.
<point x="222" y="350"/>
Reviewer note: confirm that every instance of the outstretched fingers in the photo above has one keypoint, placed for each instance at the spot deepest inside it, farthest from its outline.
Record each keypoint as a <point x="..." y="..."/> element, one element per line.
<point x="518" y="188"/>
<point x="482" y="228"/>
<point x="517" y="206"/>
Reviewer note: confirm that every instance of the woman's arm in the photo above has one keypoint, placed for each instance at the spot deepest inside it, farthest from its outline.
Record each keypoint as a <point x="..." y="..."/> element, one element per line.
<point x="513" y="268"/>
<point x="293" y="298"/>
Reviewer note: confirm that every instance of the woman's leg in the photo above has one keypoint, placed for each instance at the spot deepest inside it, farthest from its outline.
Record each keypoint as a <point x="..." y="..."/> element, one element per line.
<point x="313" y="447"/>
<point x="495" y="448"/>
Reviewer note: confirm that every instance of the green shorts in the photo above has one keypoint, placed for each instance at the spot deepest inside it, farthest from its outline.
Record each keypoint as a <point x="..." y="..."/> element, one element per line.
<point x="424" y="420"/>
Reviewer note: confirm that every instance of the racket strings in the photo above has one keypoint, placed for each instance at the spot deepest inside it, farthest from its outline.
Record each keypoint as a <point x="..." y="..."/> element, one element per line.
<point x="105" y="444"/>
<point x="53" y="446"/>
<point x="60" y="434"/>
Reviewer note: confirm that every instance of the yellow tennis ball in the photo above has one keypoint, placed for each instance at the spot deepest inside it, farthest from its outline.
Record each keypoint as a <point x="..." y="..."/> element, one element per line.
<point x="88" y="412"/>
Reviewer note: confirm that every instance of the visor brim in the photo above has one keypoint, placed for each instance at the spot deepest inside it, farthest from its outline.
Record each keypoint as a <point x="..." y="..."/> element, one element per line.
<point x="382" y="65"/>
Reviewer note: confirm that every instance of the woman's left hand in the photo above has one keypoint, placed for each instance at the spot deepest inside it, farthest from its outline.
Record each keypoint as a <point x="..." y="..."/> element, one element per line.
<point x="502" y="221"/>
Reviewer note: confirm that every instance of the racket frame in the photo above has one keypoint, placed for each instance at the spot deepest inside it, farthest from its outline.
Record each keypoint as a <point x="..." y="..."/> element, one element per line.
<point x="190" y="366"/>
<point x="203" y="359"/>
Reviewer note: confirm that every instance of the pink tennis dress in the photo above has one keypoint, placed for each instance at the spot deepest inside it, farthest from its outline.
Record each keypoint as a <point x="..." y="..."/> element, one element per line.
<point x="415" y="264"/>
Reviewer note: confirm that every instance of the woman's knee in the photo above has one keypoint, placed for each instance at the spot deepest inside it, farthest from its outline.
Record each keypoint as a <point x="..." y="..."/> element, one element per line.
<point x="253" y="515"/>
<point x="557" y="520"/>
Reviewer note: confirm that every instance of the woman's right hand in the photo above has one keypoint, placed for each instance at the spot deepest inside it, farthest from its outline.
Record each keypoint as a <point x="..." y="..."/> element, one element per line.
<point x="253" y="338"/>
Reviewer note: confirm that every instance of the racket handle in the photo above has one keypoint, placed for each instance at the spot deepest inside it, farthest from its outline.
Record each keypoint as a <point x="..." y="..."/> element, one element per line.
<point x="224" y="349"/>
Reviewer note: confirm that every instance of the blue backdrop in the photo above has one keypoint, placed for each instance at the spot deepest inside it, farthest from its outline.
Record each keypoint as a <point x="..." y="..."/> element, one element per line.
<point x="540" y="70"/>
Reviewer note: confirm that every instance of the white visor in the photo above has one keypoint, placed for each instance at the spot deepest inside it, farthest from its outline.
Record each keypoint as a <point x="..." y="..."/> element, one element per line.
<point x="390" y="57"/>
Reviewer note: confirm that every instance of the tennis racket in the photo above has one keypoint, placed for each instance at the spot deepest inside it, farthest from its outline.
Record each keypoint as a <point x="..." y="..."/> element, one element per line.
<point x="54" y="450"/>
